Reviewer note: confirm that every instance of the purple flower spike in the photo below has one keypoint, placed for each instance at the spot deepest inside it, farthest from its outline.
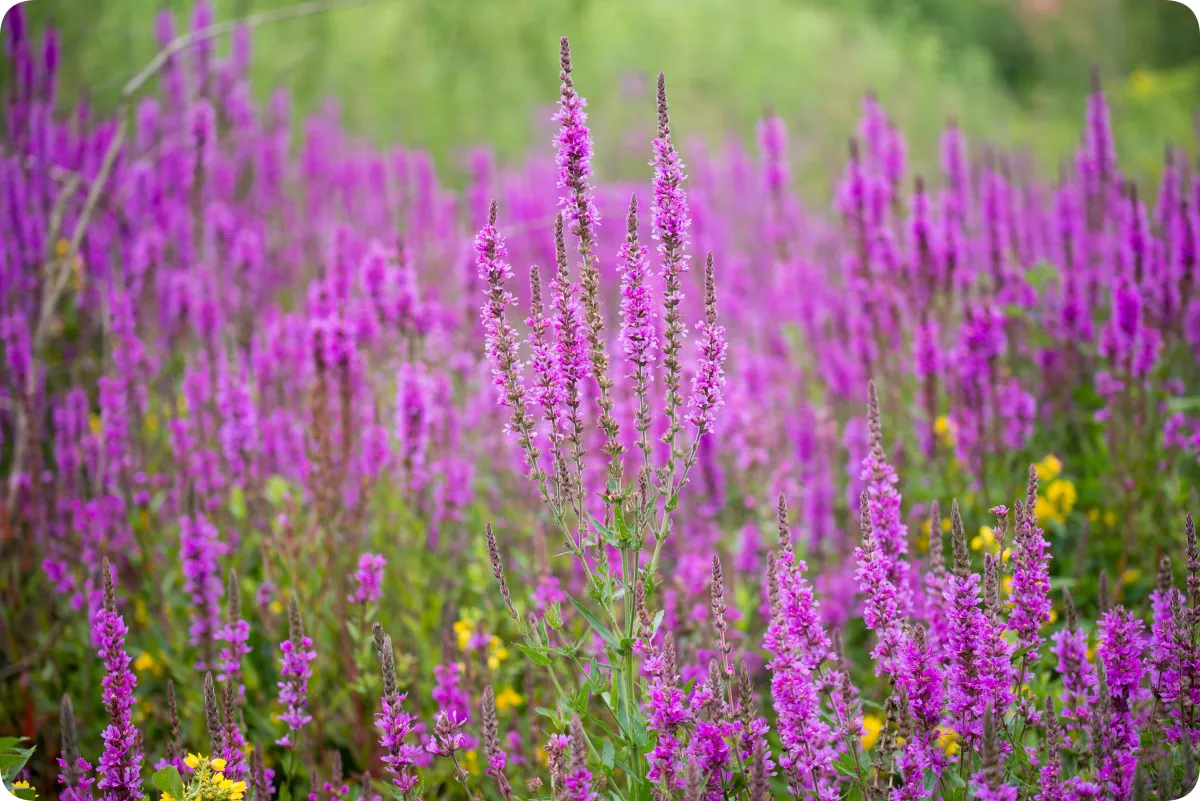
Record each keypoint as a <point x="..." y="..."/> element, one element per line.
<point x="121" y="763"/>
<point x="295" y="671"/>
<point x="369" y="577"/>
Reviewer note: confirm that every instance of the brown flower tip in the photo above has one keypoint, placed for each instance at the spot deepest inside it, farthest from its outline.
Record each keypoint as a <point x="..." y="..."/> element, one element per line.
<point x="958" y="542"/>
<point x="664" y="117"/>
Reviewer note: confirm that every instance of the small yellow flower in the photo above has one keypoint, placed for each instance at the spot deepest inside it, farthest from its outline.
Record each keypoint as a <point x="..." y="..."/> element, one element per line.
<point x="1110" y="518"/>
<point x="1091" y="653"/>
<point x="985" y="540"/>
<point x="497" y="653"/>
<point x="1093" y="515"/>
<point x="192" y="761"/>
<point x="1130" y="576"/>
<point x="275" y="607"/>
<point x="507" y="699"/>
<point x="166" y="797"/>
<point x="464" y="628"/>
<point x="1063" y="495"/>
<point x="923" y="540"/>
<point x="542" y="756"/>
<point x="1046" y="510"/>
<point x="1053" y="616"/>
<point x="1005" y="555"/>
<point x="472" y="761"/>
<point x="94" y="423"/>
<point x="218" y="765"/>
<point x="1049" y="468"/>
<point x="945" y="525"/>
<point x="24" y="786"/>
<point x="872" y="728"/>
<point x="145" y="662"/>
<point x="1006" y="585"/>
<point x="948" y="740"/>
<point x="943" y="430"/>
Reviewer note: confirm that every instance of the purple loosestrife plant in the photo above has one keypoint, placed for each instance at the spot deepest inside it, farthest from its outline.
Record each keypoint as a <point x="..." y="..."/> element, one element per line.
<point x="199" y="551"/>
<point x="612" y="515"/>
<point x="1121" y="651"/>
<point x="394" y="723"/>
<point x="294" y="670"/>
<point x="1030" y="589"/>
<point x="235" y="635"/>
<point x="120" y="765"/>
<point x="966" y="644"/>
<point x="369" y="577"/>
<point x="74" y="778"/>
<point x="1078" y="674"/>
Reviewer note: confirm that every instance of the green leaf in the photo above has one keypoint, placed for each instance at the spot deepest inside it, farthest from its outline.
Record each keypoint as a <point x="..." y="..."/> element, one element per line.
<point x="607" y="755"/>
<point x="237" y="504"/>
<point x="276" y="490"/>
<point x="658" y="619"/>
<point x="537" y="656"/>
<point x="549" y="714"/>
<point x="6" y="743"/>
<point x="168" y="781"/>
<point x="609" y="638"/>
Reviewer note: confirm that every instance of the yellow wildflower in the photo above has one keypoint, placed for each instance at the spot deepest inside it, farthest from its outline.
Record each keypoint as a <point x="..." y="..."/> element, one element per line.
<point x="507" y="699"/>
<point x="497" y="653"/>
<point x="1110" y="518"/>
<point x="275" y="607"/>
<point x="1005" y="555"/>
<point x="1063" y="495"/>
<point x="872" y="728"/>
<point x="1049" y="468"/>
<point x="192" y="761"/>
<point x="166" y="797"/>
<point x="94" y="423"/>
<point x="218" y="764"/>
<point x="234" y="790"/>
<point x="985" y="539"/>
<point x="1006" y="585"/>
<point x="945" y="525"/>
<point x="1053" y="616"/>
<point x="23" y="785"/>
<point x="923" y="540"/>
<point x="144" y="662"/>
<point x="472" y="761"/>
<point x="464" y="628"/>
<point x="948" y="740"/>
<point x="943" y="430"/>
<point x="140" y="613"/>
<point x="1130" y="576"/>
<point x="1046" y="510"/>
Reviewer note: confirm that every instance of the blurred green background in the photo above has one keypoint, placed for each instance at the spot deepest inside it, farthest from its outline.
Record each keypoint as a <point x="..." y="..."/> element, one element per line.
<point x="449" y="74"/>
